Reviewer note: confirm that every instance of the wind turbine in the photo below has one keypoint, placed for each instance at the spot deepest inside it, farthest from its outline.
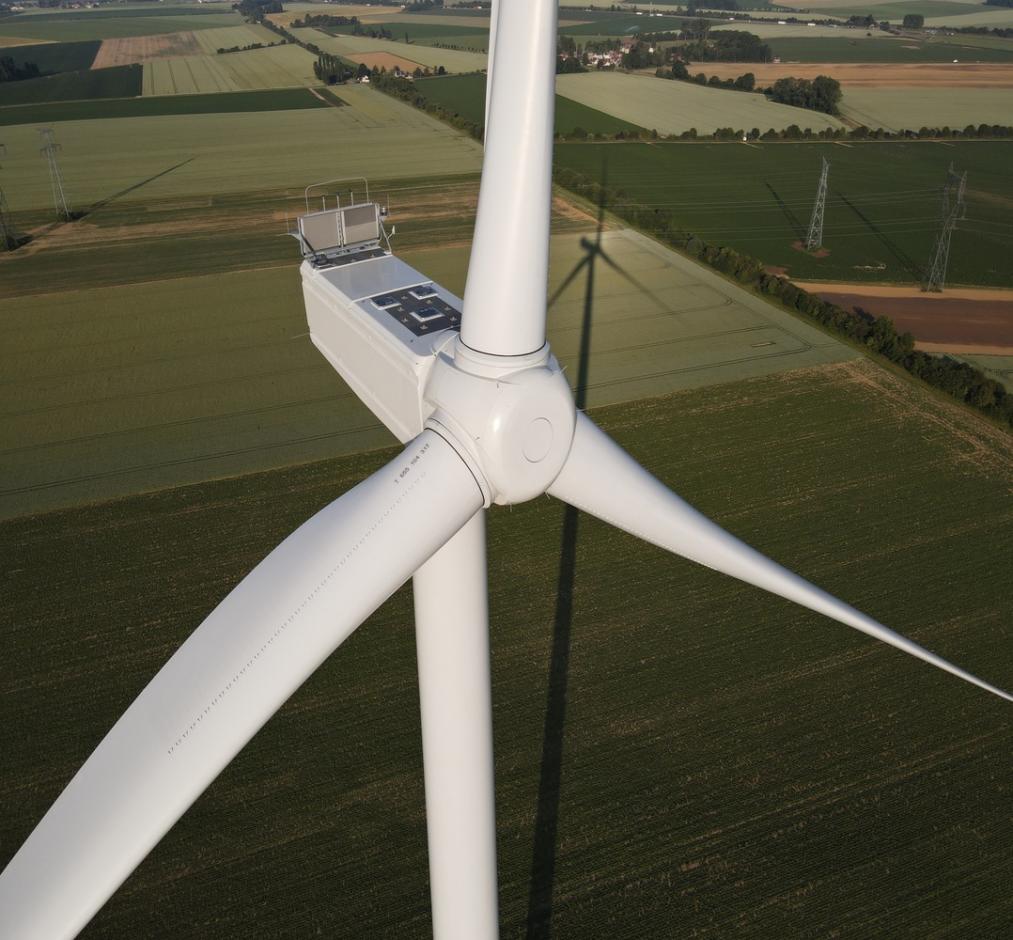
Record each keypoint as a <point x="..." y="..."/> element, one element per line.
<point x="487" y="417"/>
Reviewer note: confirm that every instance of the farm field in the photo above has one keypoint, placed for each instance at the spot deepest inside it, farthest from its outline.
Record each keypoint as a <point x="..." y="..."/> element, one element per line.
<point x="282" y="99"/>
<point x="912" y="108"/>
<point x="465" y="94"/>
<point x="119" y="82"/>
<point x="53" y="57"/>
<point x="375" y="136"/>
<point x="958" y="320"/>
<point x="999" y="368"/>
<point x="876" y="76"/>
<point x="674" y="107"/>
<point x="69" y="27"/>
<point x="882" y="207"/>
<point x="277" y="67"/>
<point x="879" y="50"/>
<point x="991" y="19"/>
<point x="153" y="378"/>
<point x="790" y="777"/>
<point x="354" y="47"/>
<point x="125" y="50"/>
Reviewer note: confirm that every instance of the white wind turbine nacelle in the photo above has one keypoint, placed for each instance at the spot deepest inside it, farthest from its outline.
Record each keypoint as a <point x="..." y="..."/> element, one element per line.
<point x="486" y="417"/>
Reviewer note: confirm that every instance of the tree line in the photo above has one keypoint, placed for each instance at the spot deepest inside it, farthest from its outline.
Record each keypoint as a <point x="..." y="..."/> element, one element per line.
<point x="876" y="333"/>
<point x="10" y="71"/>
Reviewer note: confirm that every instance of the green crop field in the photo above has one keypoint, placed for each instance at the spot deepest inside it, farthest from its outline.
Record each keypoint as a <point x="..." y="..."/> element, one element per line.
<point x="277" y="67"/>
<point x="375" y="136"/>
<point x="893" y="10"/>
<point x="157" y="375"/>
<point x="963" y="48"/>
<point x="987" y="17"/>
<point x="674" y="107"/>
<point x="882" y="207"/>
<point x="65" y="27"/>
<point x="282" y="99"/>
<point x="731" y="765"/>
<point x="419" y="32"/>
<point x="465" y="94"/>
<point x="453" y="60"/>
<point x="913" y="108"/>
<point x="121" y="81"/>
<point x="53" y="57"/>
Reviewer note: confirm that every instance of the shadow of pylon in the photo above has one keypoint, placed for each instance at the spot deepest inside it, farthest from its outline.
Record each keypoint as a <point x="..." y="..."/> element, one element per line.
<point x="543" y="863"/>
<point x="94" y="207"/>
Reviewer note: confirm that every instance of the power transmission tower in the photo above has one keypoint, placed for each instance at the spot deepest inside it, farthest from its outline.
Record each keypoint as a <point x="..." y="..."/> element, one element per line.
<point x="8" y="235"/>
<point x="953" y="210"/>
<point x="49" y="149"/>
<point x="814" y="239"/>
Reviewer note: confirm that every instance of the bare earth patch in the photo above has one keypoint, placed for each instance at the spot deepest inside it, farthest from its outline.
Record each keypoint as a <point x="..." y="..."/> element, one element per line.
<point x="959" y="320"/>
<point x="896" y="75"/>
<point x="129" y="50"/>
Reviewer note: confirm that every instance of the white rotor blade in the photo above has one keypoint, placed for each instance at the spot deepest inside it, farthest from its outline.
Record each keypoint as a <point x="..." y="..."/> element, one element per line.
<point x="251" y="653"/>
<point x="602" y="479"/>
<point x="504" y="299"/>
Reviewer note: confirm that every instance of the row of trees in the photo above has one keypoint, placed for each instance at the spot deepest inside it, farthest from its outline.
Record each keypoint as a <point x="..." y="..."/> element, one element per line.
<point x="256" y="10"/>
<point x="10" y="71"/>
<point x="252" y="45"/>
<point x="820" y="94"/>
<point x="731" y="45"/>
<point x="878" y="334"/>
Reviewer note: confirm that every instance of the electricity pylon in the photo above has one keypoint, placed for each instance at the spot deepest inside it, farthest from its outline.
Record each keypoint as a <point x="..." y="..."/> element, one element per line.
<point x="8" y="236"/>
<point x="814" y="239"/>
<point x="953" y="210"/>
<point x="48" y="150"/>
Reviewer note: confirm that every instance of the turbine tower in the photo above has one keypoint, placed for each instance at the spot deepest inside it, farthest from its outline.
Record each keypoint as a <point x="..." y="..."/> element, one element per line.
<point x="952" y="211"/>
<point x="487" y="417"/>
<point x="8" y="234"/>
<point x="48" y="150"/>
<point x="814" y="239"/>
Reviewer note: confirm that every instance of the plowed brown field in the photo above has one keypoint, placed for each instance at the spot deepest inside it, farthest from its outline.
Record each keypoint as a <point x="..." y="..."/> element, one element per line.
<point x="131" y="49"/>
<point x="901" y="75"/>
<point x="959" y="320"/>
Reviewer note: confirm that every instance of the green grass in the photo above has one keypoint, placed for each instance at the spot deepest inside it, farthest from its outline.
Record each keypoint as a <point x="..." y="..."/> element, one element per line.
<point x="465" y="94"/>
<point x="913" y="108"/>
<point x="120" y="81"/>
<point x="732" y="765"/>
<point x="897" y="11"/>
<point x="882" y="206"/>
<point x="65" y="27"/>
<point x="283" y="99"/>
<point x="417" y="32"/>
<point x="53" y="57"/>
<point x="623" y="24"/>
<point x="176" y="366"/>
<point x="671" y="107"/>
<point x="277" y="67"/>
<point x="374" y="136"/>
<point x="889" y="50"/>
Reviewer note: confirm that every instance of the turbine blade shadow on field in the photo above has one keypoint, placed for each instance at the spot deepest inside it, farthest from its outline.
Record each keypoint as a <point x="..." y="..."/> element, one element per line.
<point x="102" y="203"/>
<point x="793" y="220"/>
<point x="543" y="863"/>
<point x="912" y="267"/>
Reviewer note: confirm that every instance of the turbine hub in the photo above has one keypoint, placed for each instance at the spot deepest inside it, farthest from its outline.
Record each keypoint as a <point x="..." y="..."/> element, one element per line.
<point x="511" y="418"/>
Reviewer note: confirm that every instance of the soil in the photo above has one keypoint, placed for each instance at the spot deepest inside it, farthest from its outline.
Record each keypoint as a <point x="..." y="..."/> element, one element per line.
<point x="958" y="320"/>
<point x="132" y="49"/>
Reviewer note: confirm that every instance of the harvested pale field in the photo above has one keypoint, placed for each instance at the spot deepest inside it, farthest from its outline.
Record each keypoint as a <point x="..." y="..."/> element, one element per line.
<point x="993" y="19"/>
<point x="855" y="75"/>
<point x="376" y="136"/>
<point x="6" y="41"/>
<point x="211" y="40"/>
<point x="912" y="108"/>
<point x="674" y="107"/>
<point x="277" y="67"/>
<point x="959" y="319"/>
<point x="127" y="50"/>
<point x="385" y="60"/>
<point x="453" y="60"/>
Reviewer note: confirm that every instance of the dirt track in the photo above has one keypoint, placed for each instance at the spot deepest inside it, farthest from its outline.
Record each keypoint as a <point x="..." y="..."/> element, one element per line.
<point x="968" y="320"/>
<point x="131" y="49"/>
<point x="899" y="75"/>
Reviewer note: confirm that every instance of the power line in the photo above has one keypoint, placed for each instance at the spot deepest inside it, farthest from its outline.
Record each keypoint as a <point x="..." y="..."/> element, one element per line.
<point x="953" y="210"/>
<point x="8" y="234"/>
<point x="814" y="239"/>
<point x="49" y="150"/>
